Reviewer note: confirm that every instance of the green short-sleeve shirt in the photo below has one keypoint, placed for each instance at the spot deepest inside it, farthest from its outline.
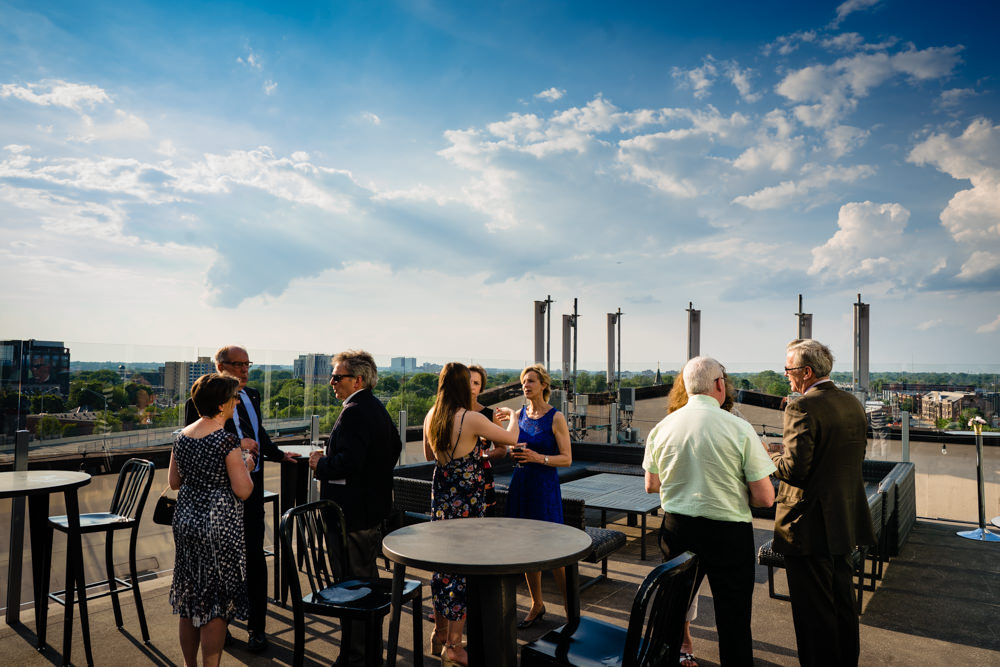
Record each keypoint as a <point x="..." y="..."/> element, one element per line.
<point x="705" y="457"/>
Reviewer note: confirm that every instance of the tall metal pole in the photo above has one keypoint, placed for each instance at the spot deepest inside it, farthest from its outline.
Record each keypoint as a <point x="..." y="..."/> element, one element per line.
<point x="804" y="322"/>
<point x="548" y="332"/>
<point x="576" y="315"/>
<point x="694" y="332"/>
<point x="981" y="533"/>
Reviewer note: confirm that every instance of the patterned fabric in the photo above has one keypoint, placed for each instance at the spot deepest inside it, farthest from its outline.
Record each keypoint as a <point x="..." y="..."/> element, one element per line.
<point x="457" y="493"/>
<point x="210" y="556"/>
<point x="534" y="488"/>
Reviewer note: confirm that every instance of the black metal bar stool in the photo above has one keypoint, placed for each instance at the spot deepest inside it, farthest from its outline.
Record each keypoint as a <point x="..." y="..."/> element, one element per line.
<point x="127" y="504"/>
<point x="275" y="551"/>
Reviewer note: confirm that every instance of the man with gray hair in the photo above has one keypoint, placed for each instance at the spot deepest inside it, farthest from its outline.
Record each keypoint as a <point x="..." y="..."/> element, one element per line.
<point x="709" y="466"/>
<point x="356" y="473"/>
<point x="822" y="512"/>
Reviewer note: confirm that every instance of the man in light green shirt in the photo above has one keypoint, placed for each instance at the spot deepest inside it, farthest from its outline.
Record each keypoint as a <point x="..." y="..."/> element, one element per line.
<point x="709" y="466"/>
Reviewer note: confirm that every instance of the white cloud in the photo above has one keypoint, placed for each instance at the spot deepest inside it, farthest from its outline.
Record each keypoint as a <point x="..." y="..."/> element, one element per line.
<point x="740" y="78"/>
<point x="955" y="96"/>
<point x="252" y="61"/>
<point x="787" y="44"/>
<point x="167" y="148"/>
<point x="123" y="125"/>
<point x="980" y="263"/>
<point x="930" y="324"/>
<point x="551" y="95"/>
<point x="776" y="148"/>
<point x="826" y="92"/>
<point x="698" y="79"/>
<point x="300" y="156"/>
<point x="371" y="118"/>
<point x="972" y="217"/>
<point x="814" y="177"/>
<point x="57" y="93"/>
<point x="269" y="87"/>
<point x="847" y="8"/>
<point x="867" y="235"/>
<point x="990" y="327"/>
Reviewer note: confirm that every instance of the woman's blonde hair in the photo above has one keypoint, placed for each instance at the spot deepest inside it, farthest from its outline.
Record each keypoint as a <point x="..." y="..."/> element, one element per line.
<point x="543" y="377"/>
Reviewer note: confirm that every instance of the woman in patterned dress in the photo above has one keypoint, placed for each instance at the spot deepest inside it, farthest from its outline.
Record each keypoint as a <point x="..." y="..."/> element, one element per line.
<point x="451" y="439"/>
<point x="534" y="488"/>
<point x="207" y="467"/>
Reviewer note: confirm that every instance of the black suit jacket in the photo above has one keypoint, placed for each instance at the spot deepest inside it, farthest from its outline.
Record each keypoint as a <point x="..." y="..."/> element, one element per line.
<point x="363" y="449"/>
<point x="268" y="450"/>
<point x="821" y="504"/>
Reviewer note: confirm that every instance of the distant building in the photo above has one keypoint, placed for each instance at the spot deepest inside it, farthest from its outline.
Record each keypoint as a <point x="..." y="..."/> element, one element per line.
<point x="944" y="405"/>
<point x="34" y="367"/>
<point x="312" y="368"/>
<point x="403" y="365"/>
<point x="178" y="376"/>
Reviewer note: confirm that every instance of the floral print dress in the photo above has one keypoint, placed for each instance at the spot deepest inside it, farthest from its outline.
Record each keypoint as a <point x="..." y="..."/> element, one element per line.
<point x="458" y="493"/>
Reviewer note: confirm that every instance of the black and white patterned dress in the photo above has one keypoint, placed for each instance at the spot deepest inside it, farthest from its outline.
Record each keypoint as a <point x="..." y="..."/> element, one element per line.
<point x="210" y="556"/>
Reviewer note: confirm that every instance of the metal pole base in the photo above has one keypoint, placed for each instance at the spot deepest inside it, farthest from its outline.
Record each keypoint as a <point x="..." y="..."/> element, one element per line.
<point x="980" y="534"/>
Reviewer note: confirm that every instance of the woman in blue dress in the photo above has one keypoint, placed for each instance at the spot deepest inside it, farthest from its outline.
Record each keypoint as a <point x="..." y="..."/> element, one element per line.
<point x="534" y="488"/>
<point x="452" y="432"/>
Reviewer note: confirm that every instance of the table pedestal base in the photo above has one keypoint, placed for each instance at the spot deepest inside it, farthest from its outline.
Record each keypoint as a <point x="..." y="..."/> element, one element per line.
<point x="492" y="606"/>
<point x="980" y="534"/>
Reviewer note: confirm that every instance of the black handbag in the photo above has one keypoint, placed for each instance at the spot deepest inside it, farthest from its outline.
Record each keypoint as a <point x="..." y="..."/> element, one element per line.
<point x="163" y="513"/>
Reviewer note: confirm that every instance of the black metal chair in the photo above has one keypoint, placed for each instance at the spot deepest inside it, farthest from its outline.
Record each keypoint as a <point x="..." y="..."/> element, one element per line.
<point x="127" y="504"/>
<point x="275" y="551"/>
<point x="359" y="599"/>
<point x="655" y="628"/>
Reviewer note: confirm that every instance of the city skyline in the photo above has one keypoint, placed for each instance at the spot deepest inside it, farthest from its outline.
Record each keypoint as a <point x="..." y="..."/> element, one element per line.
<point x="408" y="177"/>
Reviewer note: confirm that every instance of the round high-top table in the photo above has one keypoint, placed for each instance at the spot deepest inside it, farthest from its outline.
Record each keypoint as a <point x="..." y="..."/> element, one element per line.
<point x="37" y="485"/>
<point x="493" y="553"/>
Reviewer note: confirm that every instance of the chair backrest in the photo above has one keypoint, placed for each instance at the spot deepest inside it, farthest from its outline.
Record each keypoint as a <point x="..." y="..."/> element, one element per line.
<point x="656" y="626"/>
<point x="318" y="530"/>
<point x="132" y="488"/>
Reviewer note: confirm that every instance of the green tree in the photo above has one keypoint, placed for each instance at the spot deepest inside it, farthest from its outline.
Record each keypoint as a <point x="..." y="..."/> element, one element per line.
<point x="416" y="407"/>
<point x="422" y="384"/>
<point x="388" y="384"/>
<point x="49" y="427"/>
<point x="47" y="403"/>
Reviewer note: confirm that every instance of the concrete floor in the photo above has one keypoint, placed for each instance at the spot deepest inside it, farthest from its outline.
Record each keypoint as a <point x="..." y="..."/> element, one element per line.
<point x="937" y="604"/>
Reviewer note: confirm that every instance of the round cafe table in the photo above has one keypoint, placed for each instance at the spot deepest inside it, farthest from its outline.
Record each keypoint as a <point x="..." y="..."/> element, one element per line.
<point x="37" y="485"/>
<point x="494" y="553"/>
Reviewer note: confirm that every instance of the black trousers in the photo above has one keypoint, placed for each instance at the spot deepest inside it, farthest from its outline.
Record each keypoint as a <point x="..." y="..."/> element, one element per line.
<point x="824" y="609"/>
<point x="726" y="556"/>
<point x="253" y="529"/>
<point x="363" y="548"/>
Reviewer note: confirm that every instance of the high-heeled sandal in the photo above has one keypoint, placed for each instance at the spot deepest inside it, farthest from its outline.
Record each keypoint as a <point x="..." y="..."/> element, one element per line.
<point x="437" y="647"/>
<point x="448" y="662"/>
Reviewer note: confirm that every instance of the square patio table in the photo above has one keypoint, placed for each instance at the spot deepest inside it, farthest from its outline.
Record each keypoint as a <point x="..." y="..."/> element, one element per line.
<point x="617" y="493"/>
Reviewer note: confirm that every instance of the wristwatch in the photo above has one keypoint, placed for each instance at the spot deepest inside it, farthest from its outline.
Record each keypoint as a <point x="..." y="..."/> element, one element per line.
<point x="546" y="460"/>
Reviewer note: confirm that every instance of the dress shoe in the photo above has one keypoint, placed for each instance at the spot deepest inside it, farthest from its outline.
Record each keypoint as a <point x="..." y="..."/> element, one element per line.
<point x="257" y="642"/>
<point x="229" y="639"/>
<point x="528" y="622"/>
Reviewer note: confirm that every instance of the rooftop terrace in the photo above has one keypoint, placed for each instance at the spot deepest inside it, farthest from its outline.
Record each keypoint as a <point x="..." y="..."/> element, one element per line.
<point x="938" y="602"/>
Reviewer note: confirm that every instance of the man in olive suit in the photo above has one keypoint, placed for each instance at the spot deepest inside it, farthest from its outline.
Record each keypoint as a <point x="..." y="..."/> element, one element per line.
<point x="822" y="511"/>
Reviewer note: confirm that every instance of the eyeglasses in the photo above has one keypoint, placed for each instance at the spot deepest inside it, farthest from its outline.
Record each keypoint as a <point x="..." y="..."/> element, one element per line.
<point x="239" y="364"/>
<point x="794" y="368"/>
<point x="337" y="377"/>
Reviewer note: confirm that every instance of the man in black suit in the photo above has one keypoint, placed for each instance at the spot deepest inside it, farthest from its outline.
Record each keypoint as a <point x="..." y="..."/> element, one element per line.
<point x="247" y="424"/>
<point x="822" y="511"/>
<point x="356" y="471"/>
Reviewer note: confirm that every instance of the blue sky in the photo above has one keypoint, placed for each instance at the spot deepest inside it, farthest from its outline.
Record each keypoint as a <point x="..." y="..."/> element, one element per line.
<point x="408" y="177"/>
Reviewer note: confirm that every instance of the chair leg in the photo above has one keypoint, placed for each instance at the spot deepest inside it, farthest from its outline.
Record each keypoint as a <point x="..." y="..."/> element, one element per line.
<point x="418" y="629"/>
<point x="277" y="552"/>
<point x="109" y="548"/>
<point x="135" y="585"/>
<point x="299" y="652"/>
